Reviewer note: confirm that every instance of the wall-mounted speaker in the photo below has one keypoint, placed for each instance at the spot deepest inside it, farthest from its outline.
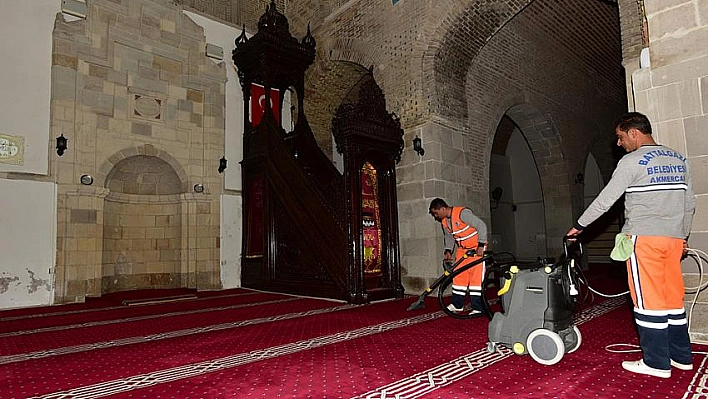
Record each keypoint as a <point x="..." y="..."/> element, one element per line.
<point x="214" y="51"/>
<point x="76" y="8"/>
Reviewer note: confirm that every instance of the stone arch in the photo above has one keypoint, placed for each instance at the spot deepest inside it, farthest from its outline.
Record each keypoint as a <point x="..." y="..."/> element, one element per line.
<point x="143" y="175"/>
<point x="328" y="85"/>
<point x="148" y="150"/>
<point x="143" y="218"/>
<point x="545" y="144"/>
<point x="458" y="36"/>
<point x="499" y="82"/>
<point x="354" y="51"/>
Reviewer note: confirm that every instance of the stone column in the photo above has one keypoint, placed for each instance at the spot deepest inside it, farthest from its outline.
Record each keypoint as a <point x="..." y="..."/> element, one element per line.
<point x="670" y="86"/>
<point x="447" y="170"/>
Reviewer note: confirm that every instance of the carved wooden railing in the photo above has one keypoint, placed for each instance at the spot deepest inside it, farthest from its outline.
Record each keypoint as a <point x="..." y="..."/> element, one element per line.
<point x="304" y="219"/>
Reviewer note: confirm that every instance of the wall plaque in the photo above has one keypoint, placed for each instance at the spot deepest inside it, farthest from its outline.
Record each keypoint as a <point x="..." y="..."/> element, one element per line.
<point x="146" y="107"/>
<point x="12" y="149"/>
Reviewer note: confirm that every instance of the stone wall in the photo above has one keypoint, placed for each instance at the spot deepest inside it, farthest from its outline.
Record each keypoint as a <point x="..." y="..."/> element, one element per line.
<point x="131" y="81"/>
<point x="672" y="90"/>
<point x="451" y="70"/>
<point x="557" y="93"/>
<point x="422" y="55"/>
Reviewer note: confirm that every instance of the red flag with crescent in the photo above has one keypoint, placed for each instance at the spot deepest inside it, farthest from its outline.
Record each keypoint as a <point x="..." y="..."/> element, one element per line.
<point x="258" y="103"/>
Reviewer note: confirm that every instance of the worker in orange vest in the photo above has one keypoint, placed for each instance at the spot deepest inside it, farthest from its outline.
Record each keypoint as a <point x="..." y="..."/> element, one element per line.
<point x="462" y="231"/>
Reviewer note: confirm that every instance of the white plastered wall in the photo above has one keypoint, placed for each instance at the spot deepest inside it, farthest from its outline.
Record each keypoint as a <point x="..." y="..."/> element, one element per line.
<point x="28" y="219"/>
<point x="528" y="197"/>
<point x="224" y="36"/>
<point x="26" y="49"/>
<point x="231" y="226"/>
<point x="27" y="207"/>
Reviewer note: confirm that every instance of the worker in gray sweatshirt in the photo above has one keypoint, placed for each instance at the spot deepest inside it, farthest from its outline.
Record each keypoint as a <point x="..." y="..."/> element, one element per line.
<point x="659" y="206"/>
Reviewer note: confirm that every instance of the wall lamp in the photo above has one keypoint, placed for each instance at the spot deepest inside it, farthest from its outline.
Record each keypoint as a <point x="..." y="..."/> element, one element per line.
<point x="418" y="146"/>
<point x="222" y="164"/>
<point x="579" y="178"/>
<point x="61" y="144"/>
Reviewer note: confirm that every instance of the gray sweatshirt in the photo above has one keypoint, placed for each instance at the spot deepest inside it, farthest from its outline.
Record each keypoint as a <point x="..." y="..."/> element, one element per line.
<point x="659" y="197"/>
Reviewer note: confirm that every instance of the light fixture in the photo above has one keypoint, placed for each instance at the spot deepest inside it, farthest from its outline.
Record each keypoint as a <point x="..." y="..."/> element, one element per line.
<point x="417" y="146"/>
<point x="86" y="180"/>
<point x="579" y="178"/>
<point x="61" y="144"/>
<point x="198" y="188"/>
<point x="222" y="164"/>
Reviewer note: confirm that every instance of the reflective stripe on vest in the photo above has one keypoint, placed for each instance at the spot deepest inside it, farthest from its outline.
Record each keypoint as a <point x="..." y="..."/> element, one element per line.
<point x="464" y="234"/>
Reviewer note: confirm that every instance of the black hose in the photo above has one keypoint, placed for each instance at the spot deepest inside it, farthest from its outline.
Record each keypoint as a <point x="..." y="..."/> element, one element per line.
<point x="489" y="256"/>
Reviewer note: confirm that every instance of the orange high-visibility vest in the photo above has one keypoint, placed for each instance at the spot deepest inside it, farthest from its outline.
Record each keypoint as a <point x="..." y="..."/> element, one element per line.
<point x="465" y="235"/>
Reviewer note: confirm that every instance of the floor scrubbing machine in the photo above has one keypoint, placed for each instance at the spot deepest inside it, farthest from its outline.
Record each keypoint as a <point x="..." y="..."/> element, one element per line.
<point x="538" y="304"/>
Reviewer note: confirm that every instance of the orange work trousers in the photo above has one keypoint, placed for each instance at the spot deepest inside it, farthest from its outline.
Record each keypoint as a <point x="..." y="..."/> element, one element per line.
<point x="471" y="279"/>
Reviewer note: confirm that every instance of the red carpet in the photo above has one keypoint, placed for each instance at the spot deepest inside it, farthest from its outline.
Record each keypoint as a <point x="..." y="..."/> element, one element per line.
<point x="245" y="344"/>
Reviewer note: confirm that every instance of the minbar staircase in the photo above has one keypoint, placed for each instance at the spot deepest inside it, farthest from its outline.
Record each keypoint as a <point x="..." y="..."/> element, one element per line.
<point x="303" y="219"/>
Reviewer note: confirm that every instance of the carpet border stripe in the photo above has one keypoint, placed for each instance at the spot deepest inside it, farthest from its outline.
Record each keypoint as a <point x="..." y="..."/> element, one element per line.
<point x="191" y="370"/>
<point x="141" y="318"/>
<point x="445" y="374"/>
<point x="20" y="357"/>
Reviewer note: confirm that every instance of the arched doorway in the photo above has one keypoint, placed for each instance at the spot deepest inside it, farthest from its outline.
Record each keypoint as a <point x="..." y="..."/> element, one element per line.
<point x="516" y="195"/>
<point x="142" y="226"/>
<point x="536" y="181"/>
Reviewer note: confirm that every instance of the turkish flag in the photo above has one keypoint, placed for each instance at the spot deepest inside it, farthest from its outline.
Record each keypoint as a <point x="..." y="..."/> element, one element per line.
<point x="258" y="102"/>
